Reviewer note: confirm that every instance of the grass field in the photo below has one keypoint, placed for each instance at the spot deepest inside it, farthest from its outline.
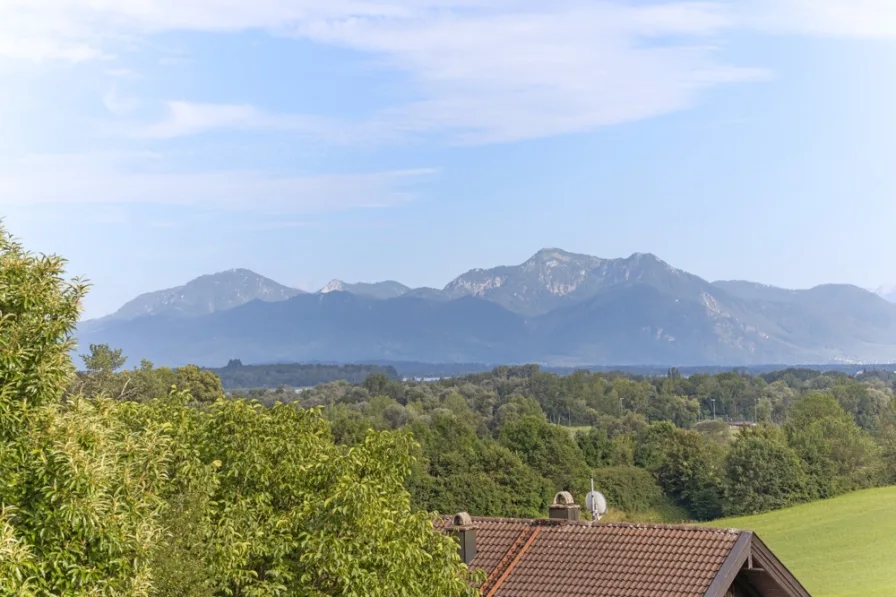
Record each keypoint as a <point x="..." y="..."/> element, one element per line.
<point x="837" y="548"/>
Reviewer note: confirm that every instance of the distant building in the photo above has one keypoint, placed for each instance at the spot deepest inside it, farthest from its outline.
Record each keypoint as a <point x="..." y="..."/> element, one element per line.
<point x="562" y="556"/>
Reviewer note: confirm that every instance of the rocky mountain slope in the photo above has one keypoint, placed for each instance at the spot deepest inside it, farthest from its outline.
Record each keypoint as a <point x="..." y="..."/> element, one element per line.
<point x="556" y="308"/>
<point x="378" y="290"/>
<point x="552" y="278"/>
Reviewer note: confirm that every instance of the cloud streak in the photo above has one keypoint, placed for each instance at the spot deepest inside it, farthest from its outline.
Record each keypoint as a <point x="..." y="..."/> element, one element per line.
<point x="187" y="119"/>
<point x="100" y="179"/>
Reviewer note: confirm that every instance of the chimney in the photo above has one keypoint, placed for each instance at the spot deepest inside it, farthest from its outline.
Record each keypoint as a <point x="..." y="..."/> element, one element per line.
<point x="563" y="508"/>
<point x="465" y="533"/>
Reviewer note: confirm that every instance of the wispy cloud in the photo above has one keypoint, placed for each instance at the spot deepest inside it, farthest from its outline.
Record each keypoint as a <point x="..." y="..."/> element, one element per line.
<point x="484" y="70"/>
<point x="186" y="119"/>
<point x="117" y="104"/>
<point x="128" y="179"/>
<point x="488" y="76"/>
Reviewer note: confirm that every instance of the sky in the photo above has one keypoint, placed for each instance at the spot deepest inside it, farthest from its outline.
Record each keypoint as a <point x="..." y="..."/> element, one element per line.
<point x="153" y="141"/>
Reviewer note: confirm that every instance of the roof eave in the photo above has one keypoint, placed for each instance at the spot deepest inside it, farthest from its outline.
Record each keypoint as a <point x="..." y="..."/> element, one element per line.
<point x="776" y="569"/>
<point x="731" y="566"/>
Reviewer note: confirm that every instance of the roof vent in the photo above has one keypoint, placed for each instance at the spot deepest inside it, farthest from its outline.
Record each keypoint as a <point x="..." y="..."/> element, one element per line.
<point x="465" y="533"/>
<point x="564" y="507"/>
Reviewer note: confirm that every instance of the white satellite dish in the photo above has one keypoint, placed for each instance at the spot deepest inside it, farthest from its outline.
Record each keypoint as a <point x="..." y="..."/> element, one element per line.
<point x="596" y="502"/>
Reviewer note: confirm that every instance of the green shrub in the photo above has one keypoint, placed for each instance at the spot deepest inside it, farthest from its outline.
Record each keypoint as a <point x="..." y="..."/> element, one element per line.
<point x="628" y="488"/>
<point x="763" y="473"/>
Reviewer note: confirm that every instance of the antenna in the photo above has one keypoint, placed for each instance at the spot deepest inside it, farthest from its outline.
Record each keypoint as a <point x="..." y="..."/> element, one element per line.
<point x="596" y="502"/>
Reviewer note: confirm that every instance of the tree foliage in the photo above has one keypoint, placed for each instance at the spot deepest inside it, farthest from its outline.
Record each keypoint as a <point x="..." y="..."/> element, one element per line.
<point x="187" y="495"/>
<point x="763" y="473"/>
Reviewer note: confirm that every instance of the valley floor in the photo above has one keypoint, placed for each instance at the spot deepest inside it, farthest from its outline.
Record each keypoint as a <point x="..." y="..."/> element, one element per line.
<point x="843" y="547"/>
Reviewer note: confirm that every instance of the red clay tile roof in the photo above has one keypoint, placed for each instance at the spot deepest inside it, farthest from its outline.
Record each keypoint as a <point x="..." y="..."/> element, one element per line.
<point x="533" y="558"/>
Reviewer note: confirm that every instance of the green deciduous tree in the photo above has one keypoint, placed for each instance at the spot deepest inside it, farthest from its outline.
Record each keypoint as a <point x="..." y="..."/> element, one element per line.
<point x="38" y="312"/>
<point x="839" y="456"/>
<point x="763" y="473"/>
<point x="78" y="494"/>
<point x="630" y="489"/>
<point x="814" y="407"/>
<point x="202" y="385"/>
<point x="691" y="472"/>
<point x="102" y="360"/>
<point x="292" y="513"/>
<point x="548" y="449"/>
<point x="117" y="498"/>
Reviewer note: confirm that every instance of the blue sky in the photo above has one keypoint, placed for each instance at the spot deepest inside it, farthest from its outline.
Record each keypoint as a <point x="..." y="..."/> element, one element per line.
<point x="152" y="141"/>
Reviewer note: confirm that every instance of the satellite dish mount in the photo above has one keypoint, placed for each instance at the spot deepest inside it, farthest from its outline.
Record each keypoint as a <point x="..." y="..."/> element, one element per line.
<point x="596" y="502"/>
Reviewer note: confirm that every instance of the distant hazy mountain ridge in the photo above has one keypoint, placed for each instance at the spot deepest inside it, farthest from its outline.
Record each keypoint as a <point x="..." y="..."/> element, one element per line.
<point x="207" y="294"/>
<point x="557" y="308"/>
<point x="379" y="290"/>
<point x="553" y="277"/>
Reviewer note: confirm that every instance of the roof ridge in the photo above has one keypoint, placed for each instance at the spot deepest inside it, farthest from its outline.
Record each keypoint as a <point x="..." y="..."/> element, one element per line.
<point x="597" y="524"/>
<point x="669" y="527"/>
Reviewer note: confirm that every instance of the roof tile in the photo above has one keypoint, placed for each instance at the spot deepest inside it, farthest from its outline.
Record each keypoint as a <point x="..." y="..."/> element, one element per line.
<point x="532" y="558"/>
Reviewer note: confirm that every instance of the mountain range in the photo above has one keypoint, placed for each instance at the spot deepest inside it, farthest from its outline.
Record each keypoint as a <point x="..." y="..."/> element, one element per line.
<point x="556" y="308"/>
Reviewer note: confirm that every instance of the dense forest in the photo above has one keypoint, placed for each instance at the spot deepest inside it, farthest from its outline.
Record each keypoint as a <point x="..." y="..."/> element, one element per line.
<point x="662" y="448"/>
<point x="500" y="443"/>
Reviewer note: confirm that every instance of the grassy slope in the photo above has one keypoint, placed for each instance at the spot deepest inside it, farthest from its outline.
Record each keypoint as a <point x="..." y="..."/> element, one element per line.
<point x="837" y="548"/>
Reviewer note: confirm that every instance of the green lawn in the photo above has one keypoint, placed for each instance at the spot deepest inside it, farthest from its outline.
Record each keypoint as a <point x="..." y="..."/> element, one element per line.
<point x="837" y="548"/>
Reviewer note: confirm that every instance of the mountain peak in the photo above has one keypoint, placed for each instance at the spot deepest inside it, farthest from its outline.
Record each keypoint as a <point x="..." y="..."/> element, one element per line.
<point x="207" y="294"/>
<point x="555" y="253"/>
<point x="377" y="290"/>
<point x="647" y="258"/>
<point x="333" y="286"/>
<point x="552" y="277"/>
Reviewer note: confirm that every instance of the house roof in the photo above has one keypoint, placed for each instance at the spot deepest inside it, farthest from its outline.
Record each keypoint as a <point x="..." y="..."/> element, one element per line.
<point x="561" y="558"/>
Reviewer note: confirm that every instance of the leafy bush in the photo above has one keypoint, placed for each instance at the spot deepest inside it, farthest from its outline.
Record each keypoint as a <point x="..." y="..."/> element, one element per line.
<point x="764" y="473"/>
<point x="629" y="488"/>
<point x="690" y="472"/>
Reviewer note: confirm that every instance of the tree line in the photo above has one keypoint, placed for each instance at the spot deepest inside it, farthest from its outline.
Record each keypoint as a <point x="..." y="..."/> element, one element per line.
<point x="501" y="443"/>
<point x="296" y="375"/>
<point x="662" y="448"/>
